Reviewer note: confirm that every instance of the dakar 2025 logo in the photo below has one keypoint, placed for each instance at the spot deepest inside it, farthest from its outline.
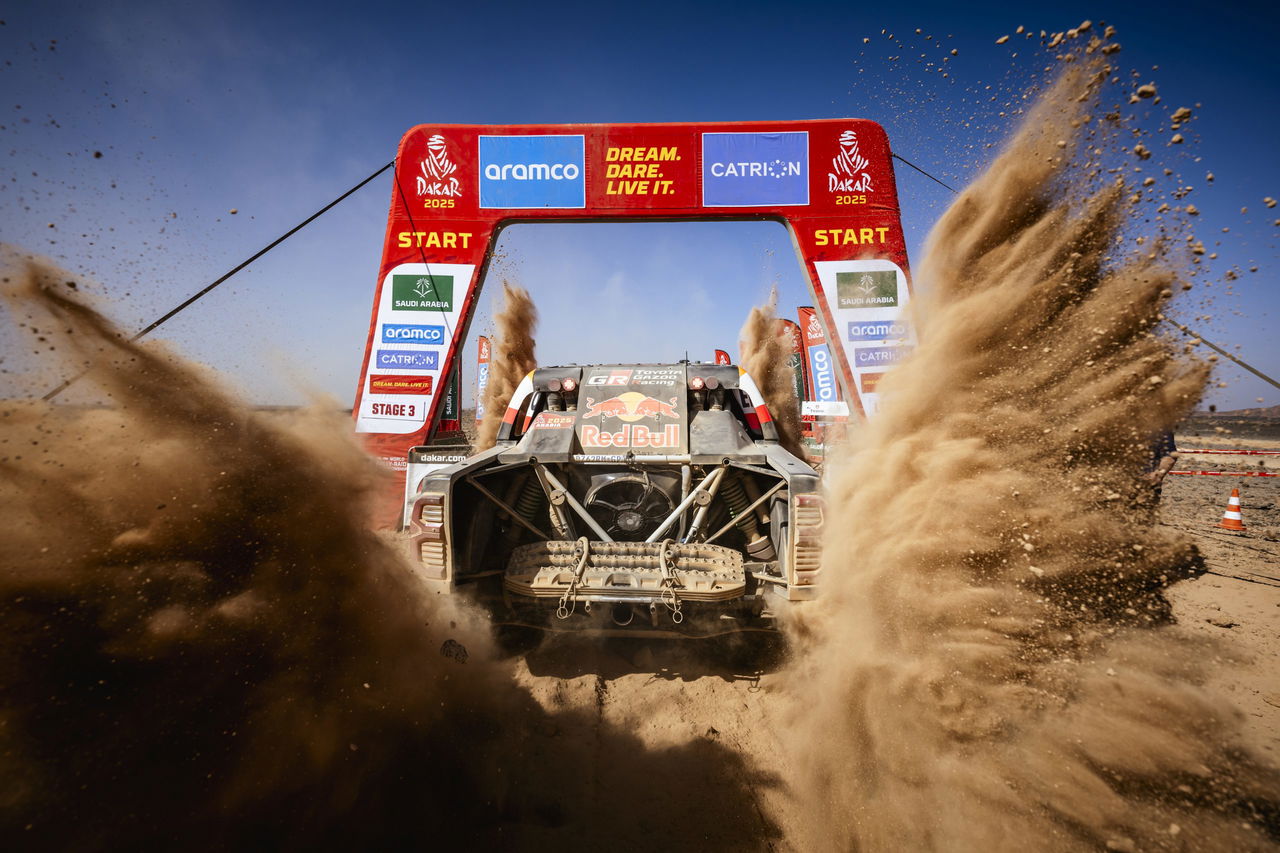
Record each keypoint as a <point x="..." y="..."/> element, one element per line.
<point x="437" y="170"/>
<point x="849" y="168"/>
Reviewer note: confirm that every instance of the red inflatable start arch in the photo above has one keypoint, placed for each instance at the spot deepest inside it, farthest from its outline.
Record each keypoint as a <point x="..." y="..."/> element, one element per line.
<point x="830" y="181"/>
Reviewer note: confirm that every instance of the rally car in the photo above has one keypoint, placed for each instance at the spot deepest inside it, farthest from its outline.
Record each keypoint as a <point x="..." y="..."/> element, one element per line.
<point x="641" y="498"/>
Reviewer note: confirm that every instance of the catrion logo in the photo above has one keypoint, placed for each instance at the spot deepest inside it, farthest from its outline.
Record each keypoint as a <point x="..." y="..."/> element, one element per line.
<point x="876" y="330"/>
<point x="631" y="406"/>
<point x="436" y="171"/>
<point x="406" y="333"/>
<point x="849" y="168"/>
<point x="533" y="171"/>
<point x="422" y="293"/>
<point x="879" y="356"/>
<point x="878" y="289"/>
<point x="755" y="169"/>
<point x="407" y="359"/>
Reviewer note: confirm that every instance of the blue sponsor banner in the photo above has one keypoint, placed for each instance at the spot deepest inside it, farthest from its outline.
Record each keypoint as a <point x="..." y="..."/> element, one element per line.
<point x="876" y="330"/>
<point x="482" y="381"/>
<point x="755" y="169"/>
<point x="411" y="333"/>
<point x="879" y="356"/>
<point x="824" y="374"/>
<point x="407" y="359"/>
<point x="532" y="171"/>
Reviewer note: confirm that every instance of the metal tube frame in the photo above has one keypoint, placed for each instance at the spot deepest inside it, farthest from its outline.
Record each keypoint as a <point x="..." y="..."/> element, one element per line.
<point x="753" y="505"/>
<point x="708" y="483"/>
<point x="573" y="502"/>
<point x="506" y="508"/>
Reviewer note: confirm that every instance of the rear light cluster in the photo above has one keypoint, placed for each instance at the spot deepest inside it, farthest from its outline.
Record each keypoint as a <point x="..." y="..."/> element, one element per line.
<point x="568" y="385"/>
<point x="429" y="536"/>
<point x="562" y="394"/>
<point x="806" y="531"/>
<point x="707" y="393"/>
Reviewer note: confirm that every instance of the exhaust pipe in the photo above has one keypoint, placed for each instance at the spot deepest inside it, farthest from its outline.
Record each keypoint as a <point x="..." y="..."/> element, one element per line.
<point x="623" y="614"/>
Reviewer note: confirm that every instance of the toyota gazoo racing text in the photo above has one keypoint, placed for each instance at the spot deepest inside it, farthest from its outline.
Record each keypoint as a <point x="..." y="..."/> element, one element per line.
<point x="645" y="498"/>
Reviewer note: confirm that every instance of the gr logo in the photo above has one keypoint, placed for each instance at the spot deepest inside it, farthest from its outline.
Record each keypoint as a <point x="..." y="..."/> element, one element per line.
<point x="411" y="333"/>
<point x="876" y="330"/>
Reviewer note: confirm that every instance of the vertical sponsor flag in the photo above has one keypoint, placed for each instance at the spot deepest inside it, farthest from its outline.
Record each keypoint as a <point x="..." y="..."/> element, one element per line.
<point x="804" y="314"/>
<point x="819" y="368"/>
<point x="482" y="374"/>
<point x="797" y="358"/>
<point x="451" y="416"/>
<point x="722" y="357"/>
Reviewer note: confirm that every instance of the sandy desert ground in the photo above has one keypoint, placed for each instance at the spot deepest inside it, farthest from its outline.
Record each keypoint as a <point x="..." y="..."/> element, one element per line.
<point x="693" y="702"/>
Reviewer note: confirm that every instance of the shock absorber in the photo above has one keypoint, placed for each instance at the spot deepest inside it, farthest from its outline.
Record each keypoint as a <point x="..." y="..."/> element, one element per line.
<point x="758" y="544"/>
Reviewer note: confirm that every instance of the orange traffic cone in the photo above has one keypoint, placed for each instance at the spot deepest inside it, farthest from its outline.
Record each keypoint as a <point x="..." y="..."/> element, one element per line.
<point x="1232" y="519"/>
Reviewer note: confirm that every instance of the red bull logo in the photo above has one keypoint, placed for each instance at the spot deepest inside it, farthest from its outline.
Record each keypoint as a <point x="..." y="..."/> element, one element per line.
<point x="630" y="407"/>
<point x="631" y="435"/>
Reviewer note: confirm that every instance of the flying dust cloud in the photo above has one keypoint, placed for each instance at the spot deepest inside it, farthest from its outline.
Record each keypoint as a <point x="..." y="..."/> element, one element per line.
<point x="513" y="357"/>
<point x="201" y="635"/>
<point x="206" y="646"/>
<point x="765" y="347"/>
<point x="990" y="665"/>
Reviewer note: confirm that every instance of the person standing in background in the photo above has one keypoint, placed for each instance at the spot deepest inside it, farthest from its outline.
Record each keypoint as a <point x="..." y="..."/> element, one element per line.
<point x="1163" y="454"/>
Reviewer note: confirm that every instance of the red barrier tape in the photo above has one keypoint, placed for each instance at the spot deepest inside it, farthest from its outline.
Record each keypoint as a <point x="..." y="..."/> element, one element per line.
<point x="1228" y="473"/>
<point x="1234" y="452"/>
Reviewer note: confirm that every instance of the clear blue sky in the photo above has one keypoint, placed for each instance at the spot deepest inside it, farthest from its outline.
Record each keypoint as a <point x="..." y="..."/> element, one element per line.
<point x="275" y="108"/>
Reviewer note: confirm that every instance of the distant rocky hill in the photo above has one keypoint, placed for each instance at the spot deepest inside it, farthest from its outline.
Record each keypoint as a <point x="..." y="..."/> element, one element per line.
<point x="1260" y="412"/>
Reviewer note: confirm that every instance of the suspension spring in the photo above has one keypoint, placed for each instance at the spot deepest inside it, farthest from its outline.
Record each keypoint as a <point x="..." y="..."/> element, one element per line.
<point x="527" y="503"/>
<point x="758" y="544"/>
<point x="736" y="496"/>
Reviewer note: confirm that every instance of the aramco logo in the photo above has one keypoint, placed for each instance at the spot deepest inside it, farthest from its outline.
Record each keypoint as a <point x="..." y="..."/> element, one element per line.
<point x="532" y="171"/>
